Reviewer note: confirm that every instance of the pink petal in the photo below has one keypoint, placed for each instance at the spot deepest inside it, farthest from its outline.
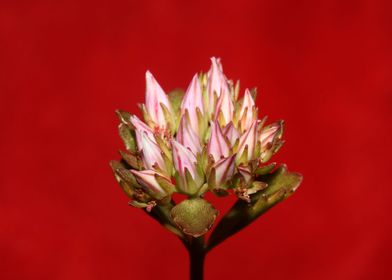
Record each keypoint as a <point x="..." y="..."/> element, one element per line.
<point x="217" y="146"/>
<point x="245" y="172"/>
<point x="248" y="103"/>
<point x="248" y="139"/>
<point x="216" y="83"/>
<point x="192" y="100"/>
<point x="225" y="106"/>
<point x="183" y="159"/>
<point x="151" y="153"/>
<point x="146" y="178"/>
<point x="187" y="137"/>
<point x="140" y="128"/>
<point x="267" y="135"/>
<point x="231" y="133"/>
<point x="224" y="169"/>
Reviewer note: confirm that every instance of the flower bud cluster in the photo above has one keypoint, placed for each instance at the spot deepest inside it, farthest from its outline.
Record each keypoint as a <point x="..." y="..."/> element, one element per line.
<point x="207" y="139"/>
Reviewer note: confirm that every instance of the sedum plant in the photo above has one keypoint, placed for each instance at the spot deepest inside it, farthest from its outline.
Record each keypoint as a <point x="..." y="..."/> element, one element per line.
<point x="207" y="139"/>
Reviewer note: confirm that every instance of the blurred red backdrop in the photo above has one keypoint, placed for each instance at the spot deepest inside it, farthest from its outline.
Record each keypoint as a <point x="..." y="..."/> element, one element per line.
<point x="65" y="66"/>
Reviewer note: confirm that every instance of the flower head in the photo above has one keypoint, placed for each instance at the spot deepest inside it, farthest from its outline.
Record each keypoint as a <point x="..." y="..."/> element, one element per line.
<point x="208" y="139"/>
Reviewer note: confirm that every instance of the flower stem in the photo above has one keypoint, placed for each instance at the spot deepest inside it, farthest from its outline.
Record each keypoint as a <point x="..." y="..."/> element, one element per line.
<point x="196" y="256"/>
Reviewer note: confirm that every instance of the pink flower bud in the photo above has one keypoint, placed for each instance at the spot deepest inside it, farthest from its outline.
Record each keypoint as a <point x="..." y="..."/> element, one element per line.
<point x="231" y="133"/>
<point x="246" y="115"/>
<point x="146" y="178"/>
<point x="141" y="128"/>
<point x="217" y="82"/>
<point x="155" y="98"/>
<point x="218" y="146"/>
<point x="187" y="136"/>
<point x="268" y="134"/>
<point x="183" y="159"/>
<point x="192" y="100"/>
<point x="248" y="139"/>
<point x="224" y="169"/>
<point x="151" y="154"/>
<point x="224" y="107"/>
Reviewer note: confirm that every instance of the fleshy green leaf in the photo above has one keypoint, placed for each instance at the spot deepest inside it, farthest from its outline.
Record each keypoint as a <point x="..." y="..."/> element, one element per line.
<point x="194" y="216"/>
<point x="281" y="184"/>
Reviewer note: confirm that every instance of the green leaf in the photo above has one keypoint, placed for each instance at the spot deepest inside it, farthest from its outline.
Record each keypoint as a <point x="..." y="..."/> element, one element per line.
<point x="281" y="184"/>
<point x="194" y="216"/>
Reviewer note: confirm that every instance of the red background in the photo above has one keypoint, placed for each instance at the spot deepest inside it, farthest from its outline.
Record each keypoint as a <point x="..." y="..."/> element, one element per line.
<point x="65" y="66"/>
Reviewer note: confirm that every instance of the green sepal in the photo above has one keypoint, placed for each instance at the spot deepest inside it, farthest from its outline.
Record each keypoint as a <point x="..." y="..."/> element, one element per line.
<point x="253" y="93"/>
<point x="191" y="184"/>
<point x="127" y="188"/>
<point x="134" y="161"/>
<point x="266" y="155"/>
<point x="165" y="184"/>
<point x="257" y="186"/>
<point x="263" y="170"/>
<point x="146" y="116"/>
<point x="128" y="137"/>
<point x="243" y="158"/>
<point x="124" y="117"/>
<point x="276" y="144"/>
<point x="203" y="124"/>
<point x="163" y="146"/>
<point x="202" y="190"/>
<point x="175" y="98"/>
<point x="194" y="216"/>
<point x="171" y="123"/>
<point x="281" y="184"/>
<point x="236" y="90"/>
<point x="138" y="204"/>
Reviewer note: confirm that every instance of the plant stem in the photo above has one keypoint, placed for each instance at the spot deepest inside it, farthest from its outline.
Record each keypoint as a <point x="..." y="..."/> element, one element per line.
<point x="196" y="257"/>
